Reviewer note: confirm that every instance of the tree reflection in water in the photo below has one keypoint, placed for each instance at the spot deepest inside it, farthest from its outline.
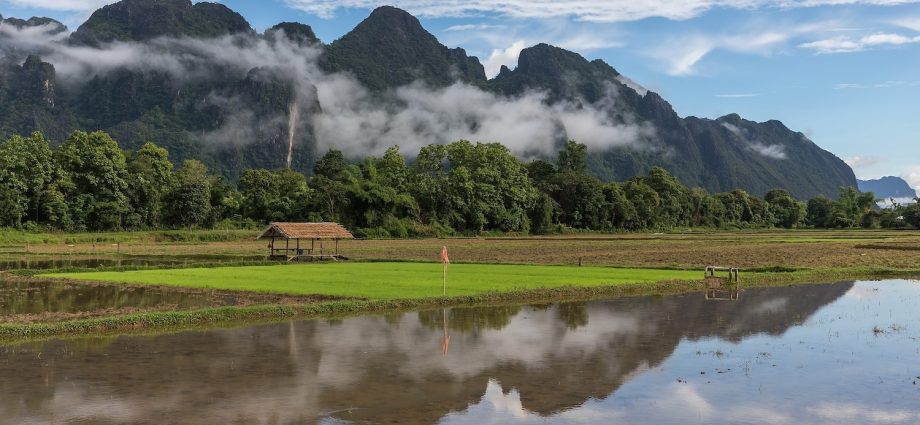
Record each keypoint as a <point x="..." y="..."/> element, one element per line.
<point x="549" y="359"/>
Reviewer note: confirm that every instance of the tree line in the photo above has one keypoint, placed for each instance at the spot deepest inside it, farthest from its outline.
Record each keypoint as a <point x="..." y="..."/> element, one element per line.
<point x="89" y="184"/>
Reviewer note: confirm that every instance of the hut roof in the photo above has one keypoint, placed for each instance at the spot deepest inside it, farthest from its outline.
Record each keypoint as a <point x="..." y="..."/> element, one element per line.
<point x="306" y="231"/>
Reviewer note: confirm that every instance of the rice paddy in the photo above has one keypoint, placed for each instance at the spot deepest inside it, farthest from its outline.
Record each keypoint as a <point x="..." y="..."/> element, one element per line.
<point x="386" y="280"/>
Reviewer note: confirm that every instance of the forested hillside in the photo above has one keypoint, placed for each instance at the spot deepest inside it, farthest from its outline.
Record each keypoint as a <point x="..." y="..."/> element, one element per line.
<point x="199" y="81"/>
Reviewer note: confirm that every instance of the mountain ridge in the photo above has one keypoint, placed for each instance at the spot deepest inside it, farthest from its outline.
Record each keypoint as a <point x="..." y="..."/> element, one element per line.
<point x="888" y="187"/>
<point x="391" y="49"/>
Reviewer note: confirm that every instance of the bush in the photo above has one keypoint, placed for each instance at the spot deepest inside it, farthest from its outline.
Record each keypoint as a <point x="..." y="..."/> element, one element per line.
<point x="371" y="233"/>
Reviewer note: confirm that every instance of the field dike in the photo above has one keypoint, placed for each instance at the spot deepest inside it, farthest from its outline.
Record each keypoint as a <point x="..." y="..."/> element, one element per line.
<point x="158" y="322"/>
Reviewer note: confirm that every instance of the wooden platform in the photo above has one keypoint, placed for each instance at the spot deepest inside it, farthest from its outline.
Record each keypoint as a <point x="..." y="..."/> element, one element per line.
<point x="305" y="257"/>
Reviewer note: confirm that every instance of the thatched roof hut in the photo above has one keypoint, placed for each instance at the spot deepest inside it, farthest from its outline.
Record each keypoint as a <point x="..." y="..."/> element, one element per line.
<point x="297" y="231"/>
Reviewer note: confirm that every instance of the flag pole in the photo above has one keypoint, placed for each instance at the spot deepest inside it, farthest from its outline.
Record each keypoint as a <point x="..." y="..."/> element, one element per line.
<point x="445" y="260"/>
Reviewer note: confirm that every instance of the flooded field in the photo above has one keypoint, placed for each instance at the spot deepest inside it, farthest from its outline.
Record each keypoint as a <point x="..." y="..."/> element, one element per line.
<point x="30" y="300"/>
<point x="846" y="353"/>
<point x="39" y="262"/>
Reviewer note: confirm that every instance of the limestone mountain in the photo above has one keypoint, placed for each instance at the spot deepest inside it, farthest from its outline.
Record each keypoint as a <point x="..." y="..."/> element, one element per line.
<point x="139" y="20"/>
<point x="390" y="49"/>
<point x="234" y="117"/>
<point x="718" y="155"/>
<point x="54" y="26"/>
<point x="294" y="31"/>
<point x="888" y="187"/>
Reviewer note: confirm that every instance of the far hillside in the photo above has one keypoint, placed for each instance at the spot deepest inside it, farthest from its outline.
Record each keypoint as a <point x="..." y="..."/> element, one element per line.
<point x="198" y="80"/>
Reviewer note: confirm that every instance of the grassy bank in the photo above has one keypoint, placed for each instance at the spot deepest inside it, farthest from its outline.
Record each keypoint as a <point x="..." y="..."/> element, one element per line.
<point x="386" y="281"/>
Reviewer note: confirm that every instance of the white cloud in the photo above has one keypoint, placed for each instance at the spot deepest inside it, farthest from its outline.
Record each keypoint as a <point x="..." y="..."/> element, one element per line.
<point x="909" y="23"/>
<point x="857" y="161"/>
<point x="843" y="44"/>
<point x="832" y="45"/>
<point x="683" y="57"/>
<point x="628" y="82"/>
<point x="767" y="150"/>
<point x="882" y="85"/>
<point x="913" y="178"/>
<point x="66" y="5"/>
<point x="507" y="57"/>
<point x="683" y="54"/>
<point x="860" y="413"/>
<point x="474" y="27"/>
<point x="736" y="95"/>
<point x="584" y="42"/>
<point x="606" y="11"/>
<point x="355" y="123"/>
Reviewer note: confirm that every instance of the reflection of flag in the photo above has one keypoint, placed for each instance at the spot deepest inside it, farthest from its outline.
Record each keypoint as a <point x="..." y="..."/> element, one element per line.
<point x="444" y="258"/>
<point x="445" y="343"/>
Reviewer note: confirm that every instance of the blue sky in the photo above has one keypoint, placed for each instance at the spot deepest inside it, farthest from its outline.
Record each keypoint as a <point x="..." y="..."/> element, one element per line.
<point x="844" y="72"/>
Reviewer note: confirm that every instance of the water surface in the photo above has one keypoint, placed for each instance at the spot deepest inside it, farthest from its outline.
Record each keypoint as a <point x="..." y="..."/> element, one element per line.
<point x="37" y="297"/>
<point x="846" y="353"/>
<point x="42" y="262"/>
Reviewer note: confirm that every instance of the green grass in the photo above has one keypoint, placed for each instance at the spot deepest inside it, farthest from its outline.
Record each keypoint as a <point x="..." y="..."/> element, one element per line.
<point x="380" y="281"/>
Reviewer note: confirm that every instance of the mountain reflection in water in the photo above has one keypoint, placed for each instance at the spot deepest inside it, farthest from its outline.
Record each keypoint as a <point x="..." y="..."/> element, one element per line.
<point x="584" y="362"/>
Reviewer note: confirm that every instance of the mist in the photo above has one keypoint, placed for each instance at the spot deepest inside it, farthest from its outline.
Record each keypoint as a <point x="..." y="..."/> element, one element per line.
<point x="349" y="117"/>
<point x="769" y="151"/>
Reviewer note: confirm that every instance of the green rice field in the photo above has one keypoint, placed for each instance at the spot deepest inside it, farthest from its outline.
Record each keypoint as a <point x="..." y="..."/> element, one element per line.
<point x="386" y="280"/>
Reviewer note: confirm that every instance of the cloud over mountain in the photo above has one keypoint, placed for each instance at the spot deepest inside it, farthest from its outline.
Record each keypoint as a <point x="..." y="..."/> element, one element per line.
<point x="605" y="11"/>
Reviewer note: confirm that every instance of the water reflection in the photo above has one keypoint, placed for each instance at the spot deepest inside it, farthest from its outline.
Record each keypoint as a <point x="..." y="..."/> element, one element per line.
<point x="722" y="294"/>
<point x="774" y="352"/>
<point x="32" y="297"/>
<point x="41" y="262"/>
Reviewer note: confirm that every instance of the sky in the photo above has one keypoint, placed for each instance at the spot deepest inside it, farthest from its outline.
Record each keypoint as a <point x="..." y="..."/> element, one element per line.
<point x="846" y="73"/>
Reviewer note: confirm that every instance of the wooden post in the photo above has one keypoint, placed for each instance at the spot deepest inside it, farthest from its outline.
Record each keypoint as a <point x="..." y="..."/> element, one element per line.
<point x="337" y="247"/>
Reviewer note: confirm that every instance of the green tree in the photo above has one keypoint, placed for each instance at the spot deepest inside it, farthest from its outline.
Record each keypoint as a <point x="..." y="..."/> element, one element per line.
<point x="93" y="173"/>
<point x="786" y="211"/>
<point x="55" y="210"/>
<point x="149" y="177"/>
<point x="622" y="211"/>
<point x="26" y="168"/>
<point x="375" y="203"/>
<point x="675" y="200"/>
<point x="490" y="186"/>
<point x="819" y="212"/>
<point x="911" y="214"/>
<point x="542" y="216"/>
<point x="428" y="177"/>
<point x="260" y="190"/>
<point x="645" y="201"/>
<point x="573" y="157"/>
<point x="12" y="204"/>
<point x="331" y="165"/>
<point x="188" y="203"/>
<point x="581" y="200"/>
<point x="392" y="170"/>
